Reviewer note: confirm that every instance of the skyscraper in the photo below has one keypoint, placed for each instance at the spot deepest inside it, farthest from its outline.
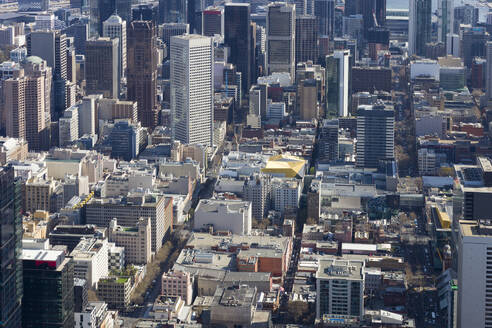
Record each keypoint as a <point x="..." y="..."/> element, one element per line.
<point x="306" y="39"/>
<point x="106" y="8"/>
<point x="375" y="135"/>
<point x="142" y="70"/>
<point x="48" y="278"/>
<point x="325" y="12"/>
<point x="192" y="90"/>
<point x="11" y="245"/>
<point x="328" y="140"/>
<point x="168" y="30"/>
<point x="281" y="30"/>
<point x="372" y="11"/>
<point x="237" y="36"/>
<point x="25" y="101"/>
<point x="115" y="27"/>
<point x="52" y="47"/>
<point x="475" y="282"/>
<point x="419" y="26"/>
<point x="101" y="67"/>
<point x="173" y="11"/>
<point x="446" y="20"/>
<point x="337" y="84"/>
<point x="213" y="21"/>
<point x="488" y="75"/>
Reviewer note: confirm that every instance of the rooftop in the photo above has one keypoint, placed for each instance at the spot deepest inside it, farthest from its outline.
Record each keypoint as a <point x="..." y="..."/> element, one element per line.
<point x="340" y="268"/>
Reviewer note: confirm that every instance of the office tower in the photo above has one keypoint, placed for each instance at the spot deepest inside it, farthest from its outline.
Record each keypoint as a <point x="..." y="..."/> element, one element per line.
<point x="80" y="295"/>
<point x="488" y="75"/>
<point x="257" y="190"/>
<point x="173" y="11"/>
<point x="48" y="278"/>
<point x="126" y="140"/>
<point x="101" y="67"/>
<point x="52" y="47"/>
<point x="115" y="28"/>
<point x="167" y="30"/>
<point x="306" y="39"/>
<point x="80" y="32"/>
<point x="375" y="135"/>
<point x="34" y="5"/>
<point x="328" y="140"/>
<point x="281" y="29"/>
<point x="25" y="108"/>
<point x="213" y="21"/>
<point x="11" y="244"/>
<point x="68" y="126"/>
<point x="192" y="90"/>
<point x="475" y="282"/>
<point x="307" y="99"/>
<point x="465" y="14"/>
<point x="254" y="57"/>
<point x="446" y="20"/>
<point x="340" y="288"/>
<point x="146" y="12"/>
<point x="372" y="11"/>
<point x="419" y="26"/>
<point x="122" y="8"/>
<point x="337" y="84"/>
<point x="325" y="13"/>
<point x="238" y="36"/>
<point x="142" y="71"/>
<point x="473" y="44"/>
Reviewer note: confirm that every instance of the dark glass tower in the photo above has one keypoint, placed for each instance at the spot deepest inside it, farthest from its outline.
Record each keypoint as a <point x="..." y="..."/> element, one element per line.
<point x="10" y="245"/>
<point x="237" y="35"/>
<point x="142" y="70"/>
<point x="48" y="299"/>
<point x="325" y="12"/>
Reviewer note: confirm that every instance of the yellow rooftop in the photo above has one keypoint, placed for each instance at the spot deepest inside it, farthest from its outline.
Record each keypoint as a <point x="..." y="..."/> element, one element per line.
<point x="285" y="166"/>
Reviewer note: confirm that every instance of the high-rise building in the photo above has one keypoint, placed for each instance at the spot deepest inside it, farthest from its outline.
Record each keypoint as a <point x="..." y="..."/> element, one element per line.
<point x="126" y="140"/>
<point x="68" y="126"/>
<point x="213" y="21"/>
<point x="106" y="8"/>
<point x="192" y="89"/>
<point x="375" y="135"/>
<point x="340" y="288"/>
<point x="142" y="71"/>
<point x="173" y="11"/>
<point x="445" y="10"/>
<point x="337" y="84"/>
<point x="11" y="243"/>
<point x="101" y="67"/>
<point x="281" y="30"/>
<point x="475" y="282"/>
<point x="237" y="35"/>
<point x="465" y="14"/>
<point x="146" y="12"/>
<point x="25" y="106"/>
<point x="257" y="190"/>
<point x="167" y="30"/>
<point x="328" y="140"/>
<point x="306" y="39"/>
<point x="419" y="26"/>
<point x="52" y="47"/>
<point x="372" y="11"/>
<point x="473" y="44"/>
<point x="115" y="28"/>
<point x="135" y="239"/>
<point x="488" y="75"/>
<point x="48" y="299"/>
<point x="325" y="13"/>
<point x="307" y="99"/>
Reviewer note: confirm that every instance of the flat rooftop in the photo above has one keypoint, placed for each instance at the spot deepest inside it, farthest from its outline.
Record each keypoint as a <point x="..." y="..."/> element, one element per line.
<point x="340" y="268"/>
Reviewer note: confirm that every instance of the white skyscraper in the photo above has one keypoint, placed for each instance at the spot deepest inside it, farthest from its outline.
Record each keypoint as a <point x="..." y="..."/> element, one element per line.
<point x="115" y="27"/>
<point x="474" y="274"/>
<point x="337" y="83"/>
<point x="192" y="92"/>
<point x="281" y="46"/>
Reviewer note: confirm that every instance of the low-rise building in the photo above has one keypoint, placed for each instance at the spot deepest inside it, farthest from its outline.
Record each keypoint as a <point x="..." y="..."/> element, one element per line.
<point x="229" y="215"/>
<point x="115" y="291"/>
<point x="90" y="259"/>
<point x="135" y="239"/>
<point x="177" y="284"/>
